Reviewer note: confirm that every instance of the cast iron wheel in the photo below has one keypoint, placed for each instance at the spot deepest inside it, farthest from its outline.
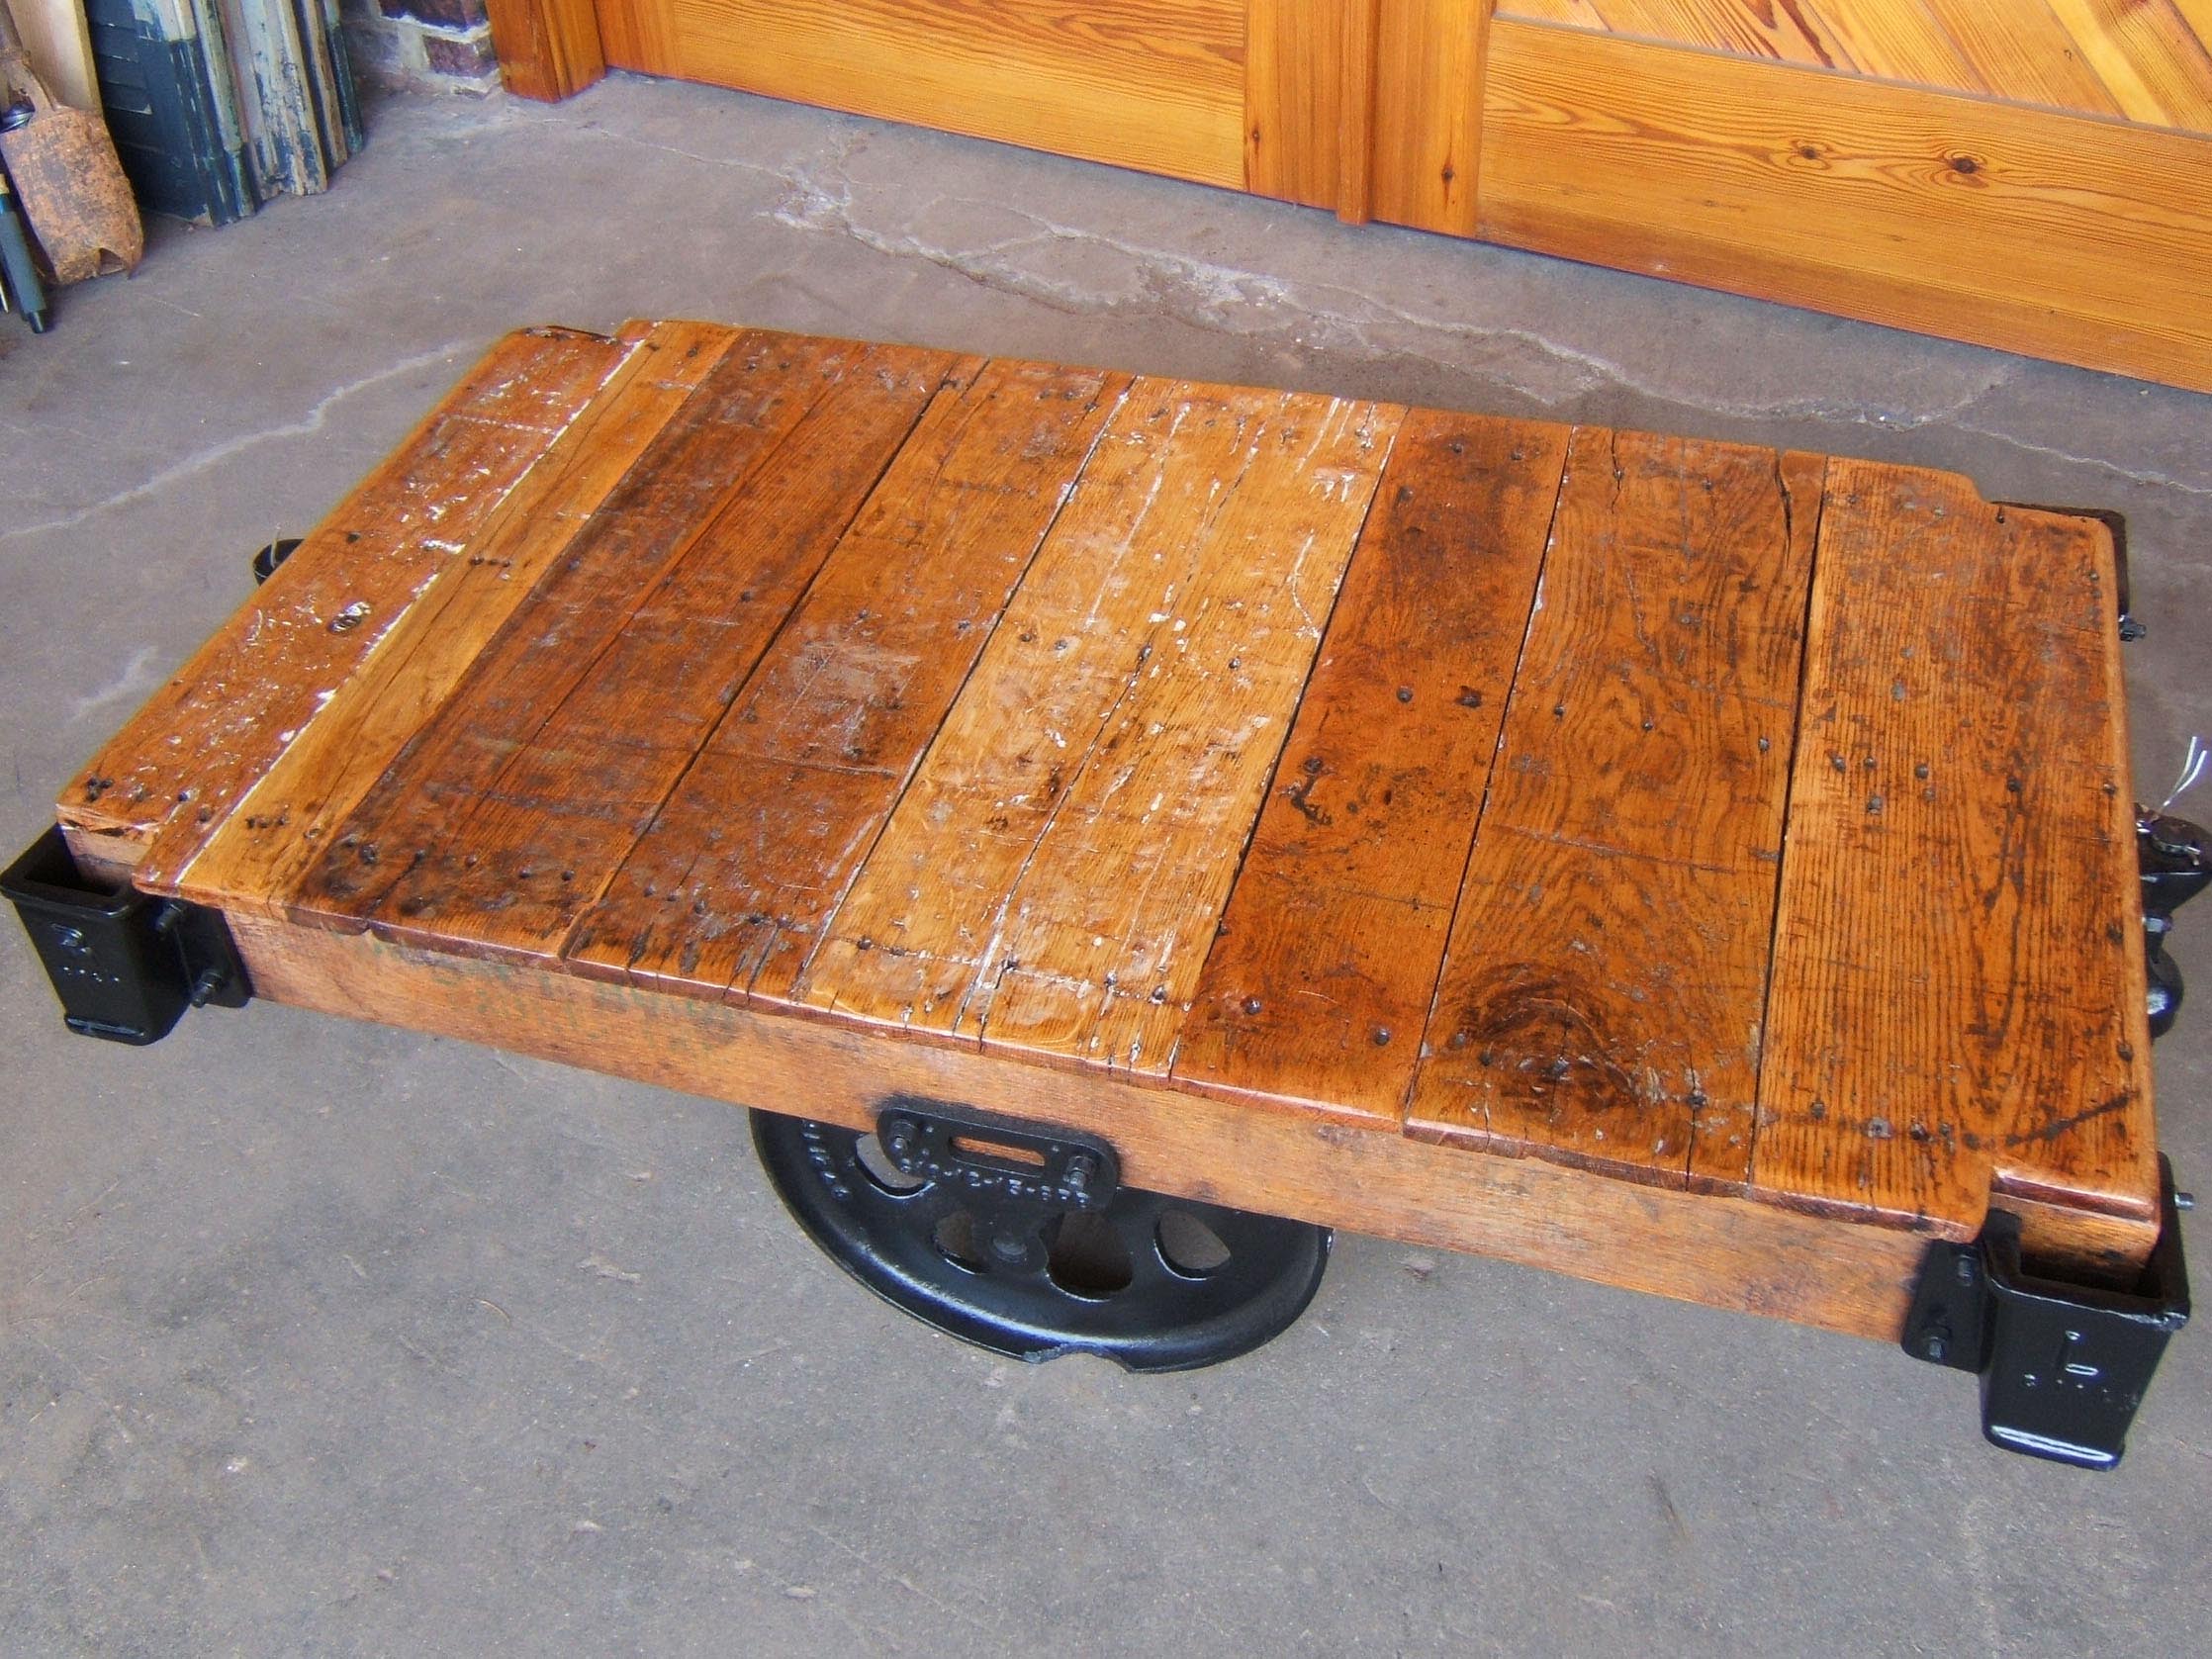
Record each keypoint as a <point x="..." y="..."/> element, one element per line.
<point x="1155" y="1283"/>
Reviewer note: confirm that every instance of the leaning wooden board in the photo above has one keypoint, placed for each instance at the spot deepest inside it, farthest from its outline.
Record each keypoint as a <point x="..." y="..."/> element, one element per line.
<point x="1674" y="862"/>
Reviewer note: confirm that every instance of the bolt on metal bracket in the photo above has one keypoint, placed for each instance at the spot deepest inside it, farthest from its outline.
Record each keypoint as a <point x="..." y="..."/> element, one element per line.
<point x="997" y="1161"/>
<point x="125" y="963"/>
<point x="2062" y="1366"/>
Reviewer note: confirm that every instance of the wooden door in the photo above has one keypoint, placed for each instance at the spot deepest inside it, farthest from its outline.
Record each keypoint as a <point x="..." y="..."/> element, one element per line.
<point x="1153" y="84"/>
<point x="1866" y="162"/>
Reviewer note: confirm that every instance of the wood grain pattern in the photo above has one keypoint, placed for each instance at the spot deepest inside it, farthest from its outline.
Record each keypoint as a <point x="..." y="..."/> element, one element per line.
<point x="548" y="50"/>
<point x="2143" y="59"/>
<point x="1752" y="28"/>
<point x="156" y="792"/>
<point x="1370" y="106"/>
<point x="1319" y="979"/>
<point x="2025" y="53"/>
<point x="2069" y="239"/>
<point x="1153" y="84"/>
<point x="514" y="807"/>
<point x="1898" y="41"/>
<point x="1009" y="732"/>
<point x="1293" y="100"/>
<point x="1606" y="986"/>
<point x="263" y="848"/>
<point x="1428" y="126"/>
<point x="1055" y="868"/>
<point x="758" y="842"/>
<point x="2149" y="58"/>
<point x="1358" y="30"/>
<point x="1956" y="949"/>
<point x="1729" y="1253"/>
<point x="1100" y="943"/>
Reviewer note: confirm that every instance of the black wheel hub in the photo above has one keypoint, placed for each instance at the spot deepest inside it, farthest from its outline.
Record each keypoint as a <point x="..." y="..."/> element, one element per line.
<point x="1025" y="1244"/>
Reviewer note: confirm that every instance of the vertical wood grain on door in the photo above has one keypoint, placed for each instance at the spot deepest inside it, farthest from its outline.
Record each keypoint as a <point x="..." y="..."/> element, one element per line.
<point x="1370" y="106"/>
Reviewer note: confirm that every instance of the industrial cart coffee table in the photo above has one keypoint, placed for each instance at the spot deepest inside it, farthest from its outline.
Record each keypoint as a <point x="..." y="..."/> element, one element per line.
<point x="1113" y="830"/>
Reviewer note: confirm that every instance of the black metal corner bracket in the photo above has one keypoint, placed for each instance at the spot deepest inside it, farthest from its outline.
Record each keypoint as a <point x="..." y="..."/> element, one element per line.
<point x="125" y="963"/>
<point x="2062" y="1366"/>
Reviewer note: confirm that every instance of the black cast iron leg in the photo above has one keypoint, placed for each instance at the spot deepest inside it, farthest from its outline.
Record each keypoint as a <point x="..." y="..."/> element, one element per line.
<point x="125" y="963"/>
<point x="2062" y="1367"/>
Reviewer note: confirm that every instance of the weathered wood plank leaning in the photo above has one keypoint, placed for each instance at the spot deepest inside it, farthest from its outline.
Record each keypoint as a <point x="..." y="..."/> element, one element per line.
<point x="1704" y="869"/>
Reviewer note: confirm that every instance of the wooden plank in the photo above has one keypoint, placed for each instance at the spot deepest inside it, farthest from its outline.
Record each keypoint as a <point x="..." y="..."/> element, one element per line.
<point x="1897" y="40"/>
<point x="548" y="48"/>
<point x="760" y="840"/>
<point x="58" y="41"/>
<point x="1730" y="1252"/>
<point x="263" y="845"/>
<point x="1370" y="106"/>
<point x="1156" y="649"/>
<point x="510" y="812"/>
<point x="1788" y="34"/>
<point x="159" y="789"/>
<point x="1604" y="995"/>
<point x="1358" y="91"/>
<point x="2137" y="59"/>
<point x="1096" y="950"/>
<point x="1153" y="84"/>
<point x="1320" y="978"/>
<point x="1958" y="983"/>
<point x="2069" y="239"/>
<point x="1575" y="13"/>
<point x="2024" y="53"/>
<point x="1293" y="100"/>
<point x="1428" y="126"/>
<point x="2147" y="57"/>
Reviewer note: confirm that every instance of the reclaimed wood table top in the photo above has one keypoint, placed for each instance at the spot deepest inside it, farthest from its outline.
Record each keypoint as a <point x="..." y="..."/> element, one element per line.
<point x="1702" y="825"/>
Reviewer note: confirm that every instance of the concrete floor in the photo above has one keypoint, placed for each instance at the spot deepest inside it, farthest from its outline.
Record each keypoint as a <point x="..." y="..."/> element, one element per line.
<point x="318" y="1336"/>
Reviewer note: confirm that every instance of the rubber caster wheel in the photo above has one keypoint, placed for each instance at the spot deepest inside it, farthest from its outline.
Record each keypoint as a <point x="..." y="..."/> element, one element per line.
<point x="1152" y="1282"/>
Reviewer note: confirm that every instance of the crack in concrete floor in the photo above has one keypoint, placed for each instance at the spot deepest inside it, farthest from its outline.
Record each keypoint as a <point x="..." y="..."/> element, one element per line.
<point x="1084" y="270"/>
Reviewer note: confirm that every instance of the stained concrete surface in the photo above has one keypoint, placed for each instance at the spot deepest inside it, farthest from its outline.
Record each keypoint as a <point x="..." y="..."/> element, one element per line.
<point x="317" y="1336"/>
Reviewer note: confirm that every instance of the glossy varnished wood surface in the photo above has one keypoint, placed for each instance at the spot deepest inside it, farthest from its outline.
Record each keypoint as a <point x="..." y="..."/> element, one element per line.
<point x="2143" y="59"/>
<point x="1321" y="973"/>
<point x="1955" y="1000"/>
<point x="2024" y="228"/>
<point x="1308" y="767"/>
<point x="2023" y="174"/>
<point x="156" y="797"/>
<point x="1155" y="84"/>
<point x="1605" y="989"/>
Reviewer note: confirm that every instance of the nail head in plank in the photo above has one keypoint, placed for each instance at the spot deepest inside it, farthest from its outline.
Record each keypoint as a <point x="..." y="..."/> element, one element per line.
<point x="1958" y="980"/>
<point x="1605" y="986"/>
<point x="520" y="799"/>
<point x="1319" y="980"/>
<point x="161" y="787"/>
<point x="264" y="846"/>
<point x="1206" y="517"/>
<point x="761" y="838"/>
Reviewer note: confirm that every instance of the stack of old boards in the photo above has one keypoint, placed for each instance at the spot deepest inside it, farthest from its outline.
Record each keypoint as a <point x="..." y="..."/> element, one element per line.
<point x="1687" y="866"/>
<point x="2025" y="174"/>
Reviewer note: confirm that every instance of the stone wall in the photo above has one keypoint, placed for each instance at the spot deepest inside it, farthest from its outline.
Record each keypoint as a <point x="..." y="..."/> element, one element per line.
<point x="444" y="45"/>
